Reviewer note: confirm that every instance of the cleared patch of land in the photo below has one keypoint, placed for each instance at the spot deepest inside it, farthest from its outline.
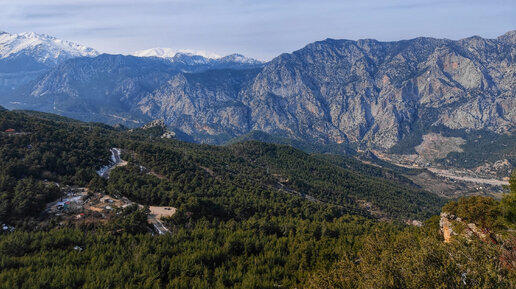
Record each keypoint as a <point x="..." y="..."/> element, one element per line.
<point x="435" y="146"/>
<point x="162" y="211"/>
<point x="156" y="213"/>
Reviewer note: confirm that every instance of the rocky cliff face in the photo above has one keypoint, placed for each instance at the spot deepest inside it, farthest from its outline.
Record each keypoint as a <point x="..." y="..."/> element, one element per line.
<point x="372" y="92"/>
<point x="362" y="92"/>
<point x="203" y="103"/>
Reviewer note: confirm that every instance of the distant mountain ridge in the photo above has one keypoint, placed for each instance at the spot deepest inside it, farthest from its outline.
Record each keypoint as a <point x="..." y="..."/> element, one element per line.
<point x="26" y="56"/>
<point x="365" y="93"/>
<point x="203" y="59"/>
<point x="170" y="53"/>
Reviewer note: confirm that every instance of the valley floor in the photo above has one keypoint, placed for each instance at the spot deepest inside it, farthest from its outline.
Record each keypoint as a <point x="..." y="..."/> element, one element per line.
<point x="448" y="181"/>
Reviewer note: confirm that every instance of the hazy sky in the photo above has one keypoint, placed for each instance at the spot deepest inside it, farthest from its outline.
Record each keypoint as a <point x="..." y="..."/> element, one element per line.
<point x="257" y="28"/>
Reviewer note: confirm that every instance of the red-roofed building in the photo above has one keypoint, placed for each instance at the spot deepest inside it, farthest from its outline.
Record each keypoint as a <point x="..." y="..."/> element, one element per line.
<point x="10" y="130"/>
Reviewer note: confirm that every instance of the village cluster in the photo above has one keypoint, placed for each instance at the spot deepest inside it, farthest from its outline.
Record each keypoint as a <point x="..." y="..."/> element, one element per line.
<point x="79" y="203"/>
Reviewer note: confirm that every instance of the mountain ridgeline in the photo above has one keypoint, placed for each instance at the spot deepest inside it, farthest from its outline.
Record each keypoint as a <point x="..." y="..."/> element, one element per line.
<point x="365" y="93"/>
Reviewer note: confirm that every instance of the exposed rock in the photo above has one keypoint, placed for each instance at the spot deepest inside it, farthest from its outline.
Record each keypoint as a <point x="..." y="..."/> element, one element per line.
<point x="508" y="253"/>
<point x="160" y="123"/>
<point x="415" y="223"/>
<point x="155" y="123"/>
<point x="168" y="134"/>
<point x="477" y="232"/>
<point x="446" y="227"/>
<point x="506" y="242"/>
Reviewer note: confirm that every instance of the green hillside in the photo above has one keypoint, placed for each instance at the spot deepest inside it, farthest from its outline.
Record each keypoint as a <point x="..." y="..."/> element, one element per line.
<point x="309" y="147"/>
<point x="249" y="214"/>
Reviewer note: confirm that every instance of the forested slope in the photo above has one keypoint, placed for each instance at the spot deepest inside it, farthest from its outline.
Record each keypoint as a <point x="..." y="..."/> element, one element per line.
<point x="250" y="215"/>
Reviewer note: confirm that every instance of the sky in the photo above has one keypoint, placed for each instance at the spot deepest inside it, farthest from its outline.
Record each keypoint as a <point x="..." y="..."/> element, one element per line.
<point x="257" y="28"/>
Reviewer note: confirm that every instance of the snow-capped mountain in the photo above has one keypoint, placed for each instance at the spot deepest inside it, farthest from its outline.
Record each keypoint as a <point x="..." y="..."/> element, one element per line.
<point x="170" y="53"/>
<point x="192" y="57"/>
<point x="42" y="48"/>
<point x="25" y="56"/>
<point x="239" y="58"/>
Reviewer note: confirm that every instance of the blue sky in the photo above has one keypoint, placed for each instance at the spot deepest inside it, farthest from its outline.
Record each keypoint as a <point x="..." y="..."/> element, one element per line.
<point x="256" y="28"/>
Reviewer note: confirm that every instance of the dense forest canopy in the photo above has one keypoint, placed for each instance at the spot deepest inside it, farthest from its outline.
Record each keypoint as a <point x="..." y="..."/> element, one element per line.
<point x="249" y="215"/>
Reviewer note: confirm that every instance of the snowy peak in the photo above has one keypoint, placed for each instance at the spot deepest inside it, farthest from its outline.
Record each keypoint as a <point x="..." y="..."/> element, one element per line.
<point x="239" y="58"/>
<point x="195" y="56"/>
<point x="43" y="48"/>
<point x="171" y="53"/>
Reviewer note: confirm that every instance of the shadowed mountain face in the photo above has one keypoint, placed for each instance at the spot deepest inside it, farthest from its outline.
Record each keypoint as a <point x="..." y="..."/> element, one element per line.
<point x="333" y="91"/>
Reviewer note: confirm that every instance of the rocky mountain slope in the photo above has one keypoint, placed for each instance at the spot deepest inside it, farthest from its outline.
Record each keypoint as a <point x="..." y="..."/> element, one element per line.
<point x="119" y="89"/>
<point x="373" y="92"/>
<point x="101" y="88"/>
<point x="366" y="93"/>
<point x="42" y="48"/>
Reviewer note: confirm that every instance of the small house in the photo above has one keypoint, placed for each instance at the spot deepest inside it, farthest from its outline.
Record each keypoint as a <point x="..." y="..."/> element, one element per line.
<point x="10" y="130"/>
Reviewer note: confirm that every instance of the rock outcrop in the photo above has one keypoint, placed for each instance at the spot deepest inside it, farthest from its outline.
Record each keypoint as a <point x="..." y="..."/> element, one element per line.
<point x="452" y="227"/>
<point x="160" y="124"/>
<point x="445" y="226"/>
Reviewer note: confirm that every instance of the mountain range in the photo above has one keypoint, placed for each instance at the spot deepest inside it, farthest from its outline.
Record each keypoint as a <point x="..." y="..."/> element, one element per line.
<point x="365" y="93"/>
<point x="336" y="160"/>
<point x="193" y="57"/>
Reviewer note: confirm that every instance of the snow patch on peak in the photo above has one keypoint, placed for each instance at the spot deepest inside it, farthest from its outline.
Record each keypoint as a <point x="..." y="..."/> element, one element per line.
<point x="239" y="58"/>
<point x="196" y="56"/>
<point x="171" y="53"/>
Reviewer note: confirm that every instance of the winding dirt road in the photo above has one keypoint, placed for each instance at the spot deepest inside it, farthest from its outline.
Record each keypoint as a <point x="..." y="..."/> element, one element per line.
<point x="116" y="161"/>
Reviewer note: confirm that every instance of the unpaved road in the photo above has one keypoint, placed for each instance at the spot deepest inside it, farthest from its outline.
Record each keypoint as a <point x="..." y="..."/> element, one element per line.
<point x="155" y="212"/>
<point x="162" y="230"/>
<point x="116" y="161"/>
